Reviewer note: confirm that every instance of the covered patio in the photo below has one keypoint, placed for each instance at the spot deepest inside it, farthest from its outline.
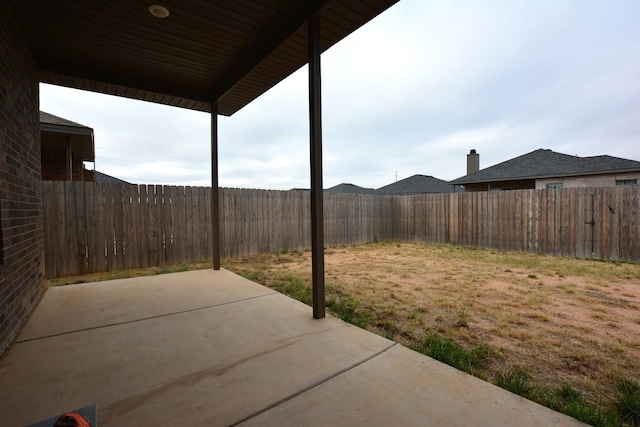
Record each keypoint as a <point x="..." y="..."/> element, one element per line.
<point x="209" y="56"/>
<point x="204" y="347"/>
<point x="212" y="348"/>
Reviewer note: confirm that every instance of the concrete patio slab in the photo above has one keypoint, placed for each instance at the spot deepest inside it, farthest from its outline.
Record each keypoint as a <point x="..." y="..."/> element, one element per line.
<point x="89" y="305"/>
<point x="211" y="348"/>
<point x="401" y="387"/>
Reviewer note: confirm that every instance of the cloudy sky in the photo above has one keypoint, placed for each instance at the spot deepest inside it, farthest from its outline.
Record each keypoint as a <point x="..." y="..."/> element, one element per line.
<point x="409" y="93"/>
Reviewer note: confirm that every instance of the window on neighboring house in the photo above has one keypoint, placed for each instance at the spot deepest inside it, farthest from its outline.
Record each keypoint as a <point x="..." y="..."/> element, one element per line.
<point x="626" y="181"/>
<point x="554" y="185"/>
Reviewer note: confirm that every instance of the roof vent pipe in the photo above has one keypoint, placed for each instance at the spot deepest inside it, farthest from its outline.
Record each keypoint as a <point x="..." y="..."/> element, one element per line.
<point x="473" y="162"/>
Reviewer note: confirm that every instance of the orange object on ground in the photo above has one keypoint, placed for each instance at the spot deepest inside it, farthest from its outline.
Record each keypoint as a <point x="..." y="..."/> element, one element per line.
<point x="72" y="419"/>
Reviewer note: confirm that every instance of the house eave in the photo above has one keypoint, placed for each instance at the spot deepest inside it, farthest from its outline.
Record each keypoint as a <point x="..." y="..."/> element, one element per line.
<point x="46" y="127"/>
<point x="460" y="181"/>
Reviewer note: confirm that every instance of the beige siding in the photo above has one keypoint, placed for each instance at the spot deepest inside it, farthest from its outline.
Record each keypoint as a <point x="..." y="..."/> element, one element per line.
<point x="587" y="181"/>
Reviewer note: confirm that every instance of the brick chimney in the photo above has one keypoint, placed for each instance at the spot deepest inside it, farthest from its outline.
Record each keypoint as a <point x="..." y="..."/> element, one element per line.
<point x="473" y="162"/>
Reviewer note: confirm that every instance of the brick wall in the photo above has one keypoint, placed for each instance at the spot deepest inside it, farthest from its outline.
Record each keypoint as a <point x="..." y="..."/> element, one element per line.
<point x="54" y="158"/>
<point x="54" y="166"/>
<point x="21" y="236"/>
<point x="524" y="184"/>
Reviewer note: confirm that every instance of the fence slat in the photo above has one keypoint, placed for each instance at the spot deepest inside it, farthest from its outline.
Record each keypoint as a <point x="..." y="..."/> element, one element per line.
<point x="633" y="217"/>
<point x="105" y="227"/>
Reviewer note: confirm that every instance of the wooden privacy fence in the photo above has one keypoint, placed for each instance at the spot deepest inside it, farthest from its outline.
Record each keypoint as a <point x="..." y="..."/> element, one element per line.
<point x="108" y="227"/>
<point x="600" y="222"/>
<point x="92" y="228"/>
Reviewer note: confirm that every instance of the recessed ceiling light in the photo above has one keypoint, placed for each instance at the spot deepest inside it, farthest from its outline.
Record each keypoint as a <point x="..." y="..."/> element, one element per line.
<point x="158" y="11"/>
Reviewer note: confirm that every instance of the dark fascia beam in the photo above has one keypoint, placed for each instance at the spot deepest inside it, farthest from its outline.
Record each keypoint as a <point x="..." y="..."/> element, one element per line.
<point x="263" y="50"/>
<point x="66" y="69"/>
<point x="48" y="127"/>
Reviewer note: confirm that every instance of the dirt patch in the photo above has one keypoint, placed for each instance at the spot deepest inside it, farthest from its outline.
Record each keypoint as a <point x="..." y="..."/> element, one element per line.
<point x="564" y="321"/>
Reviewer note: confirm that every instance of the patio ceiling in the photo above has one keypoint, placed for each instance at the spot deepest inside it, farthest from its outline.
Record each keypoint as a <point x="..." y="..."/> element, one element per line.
<point x="225" y="51"/>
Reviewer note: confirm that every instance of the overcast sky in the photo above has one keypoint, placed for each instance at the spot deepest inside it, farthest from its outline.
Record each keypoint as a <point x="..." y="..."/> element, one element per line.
<point x="409" y="93"/>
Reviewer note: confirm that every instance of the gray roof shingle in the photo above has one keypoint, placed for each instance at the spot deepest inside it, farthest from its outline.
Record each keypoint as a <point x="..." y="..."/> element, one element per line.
<point x="58" y="124"/>
<point x="416" y="184"/>
<point x="346" y="188"/>
<point x="103" y="178"/>
<point x="544" y="163"/>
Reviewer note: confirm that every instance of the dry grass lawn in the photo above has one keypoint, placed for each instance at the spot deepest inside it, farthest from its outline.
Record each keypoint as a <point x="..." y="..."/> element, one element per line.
<point x="560" y="320"/>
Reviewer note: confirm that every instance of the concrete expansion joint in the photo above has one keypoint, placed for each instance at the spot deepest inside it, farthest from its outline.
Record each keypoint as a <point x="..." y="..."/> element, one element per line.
<point x="142" y="319"/>
<point x="316" y="384"/>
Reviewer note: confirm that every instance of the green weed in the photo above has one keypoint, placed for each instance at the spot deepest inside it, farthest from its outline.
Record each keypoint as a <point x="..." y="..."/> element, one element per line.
<point x="570" y="401"/>
<point x="564" y="399"/>
<point x="417" y="315"/>
<point x="446" y="350"/>
<point x="516" y="381"/>
<point x="291" y="285"/>
<point x="345" y="309"/>
<point x="257" y="276"/>
<point x="163" y="270"/>
<point x="627" y="402"/>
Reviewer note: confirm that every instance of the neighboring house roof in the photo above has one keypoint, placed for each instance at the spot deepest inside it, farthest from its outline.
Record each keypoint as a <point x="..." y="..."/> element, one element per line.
<point x="347" y="188"/>
<point x="58" y="124"/>
<point x="103" y="178"/>
<point x="544" y="163"/>
<point x="80" y="136"/>
<point x="416" y="184"/>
